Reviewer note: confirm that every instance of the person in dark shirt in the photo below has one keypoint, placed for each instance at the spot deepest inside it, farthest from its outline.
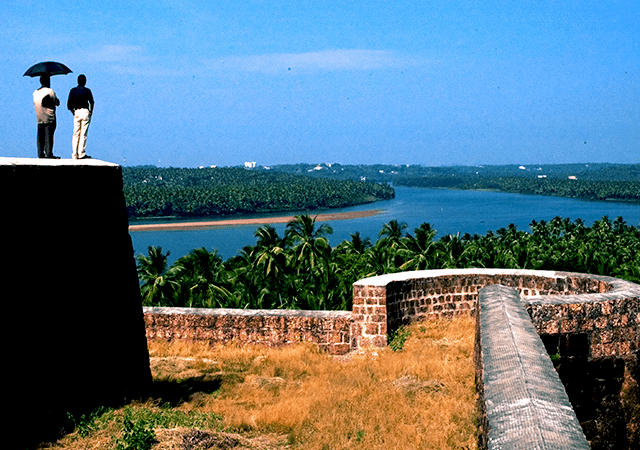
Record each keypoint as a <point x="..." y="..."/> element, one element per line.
<point x="80" y="104"/>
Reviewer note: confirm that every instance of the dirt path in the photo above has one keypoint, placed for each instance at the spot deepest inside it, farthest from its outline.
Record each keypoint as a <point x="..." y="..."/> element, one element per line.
<point x="253" y="221"/>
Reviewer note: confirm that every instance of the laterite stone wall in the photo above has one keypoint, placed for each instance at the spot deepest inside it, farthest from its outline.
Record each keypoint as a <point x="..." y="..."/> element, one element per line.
<point x="330" y="330"/>
<point x="522" y="403"/>
<point x="606" y="309"/>
<point x="591" y="324"/>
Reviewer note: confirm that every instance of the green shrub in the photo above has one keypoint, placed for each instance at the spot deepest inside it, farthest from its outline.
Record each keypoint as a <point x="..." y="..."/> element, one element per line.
<point x="397" y="338"/>
<point x="87" y="423"/>
<point x="137" y="435"/>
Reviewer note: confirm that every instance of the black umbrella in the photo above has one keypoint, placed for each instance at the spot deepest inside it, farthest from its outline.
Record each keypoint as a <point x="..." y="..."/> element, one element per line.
<point x="47" y="68"/>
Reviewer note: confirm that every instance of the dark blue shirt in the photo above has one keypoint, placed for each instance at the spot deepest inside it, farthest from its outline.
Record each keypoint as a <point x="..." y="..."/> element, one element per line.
<point x="80" y="97"/>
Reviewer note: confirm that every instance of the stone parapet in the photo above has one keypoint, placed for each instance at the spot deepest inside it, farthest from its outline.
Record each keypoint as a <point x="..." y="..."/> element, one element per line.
<point x="369" y="327"/>
<point x="330" y="330"/>
<point x="522" y="402"/>
<point x="589" y="323"/>
<point x="604" y="309"/>
<point x="608" y="320"/>
<point x="559" y="302"/>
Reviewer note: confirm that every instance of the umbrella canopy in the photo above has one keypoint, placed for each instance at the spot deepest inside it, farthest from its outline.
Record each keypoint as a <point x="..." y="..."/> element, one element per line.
<point x="47" y="68"/>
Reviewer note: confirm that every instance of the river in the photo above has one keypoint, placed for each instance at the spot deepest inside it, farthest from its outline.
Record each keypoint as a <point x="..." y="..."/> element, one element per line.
<point x="448" y="211"/>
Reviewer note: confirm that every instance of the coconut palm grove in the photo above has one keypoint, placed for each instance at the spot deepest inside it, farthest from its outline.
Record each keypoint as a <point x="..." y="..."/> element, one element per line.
<point x="300" y="270"/>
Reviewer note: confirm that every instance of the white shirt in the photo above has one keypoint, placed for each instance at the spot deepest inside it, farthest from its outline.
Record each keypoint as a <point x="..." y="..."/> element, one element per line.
<point x="45" y="114"/>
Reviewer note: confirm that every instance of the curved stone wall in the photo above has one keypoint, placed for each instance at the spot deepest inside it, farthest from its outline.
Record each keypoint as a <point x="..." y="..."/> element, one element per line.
<point x="589" y="323"/>
<point x="603" y="311"/>
<point x="606" y="309"/>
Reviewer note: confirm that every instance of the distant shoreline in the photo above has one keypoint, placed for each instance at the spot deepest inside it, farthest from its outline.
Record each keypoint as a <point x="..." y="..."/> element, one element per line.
<point x="207" y="225"/>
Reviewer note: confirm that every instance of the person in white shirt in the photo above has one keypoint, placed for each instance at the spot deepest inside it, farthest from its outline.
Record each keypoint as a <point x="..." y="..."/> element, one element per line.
<point x="45" y="102"/>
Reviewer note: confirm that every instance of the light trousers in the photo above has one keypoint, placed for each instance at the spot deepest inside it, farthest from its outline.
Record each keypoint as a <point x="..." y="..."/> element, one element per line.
<point x="81" y="120"/>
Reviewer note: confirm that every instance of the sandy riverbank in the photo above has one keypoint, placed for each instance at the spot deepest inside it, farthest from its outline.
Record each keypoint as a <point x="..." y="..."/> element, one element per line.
<point x="205" y="225"/>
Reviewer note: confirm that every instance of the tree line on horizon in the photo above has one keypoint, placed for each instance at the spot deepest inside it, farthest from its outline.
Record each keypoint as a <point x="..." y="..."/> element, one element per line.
<point x="389" y="173"/>
<point x="212" y="192"/>
<point x="597" y="181"/>
<point x="175" y="192"/>
<point x="300" y="270"/>
<point x="598" y="190"/>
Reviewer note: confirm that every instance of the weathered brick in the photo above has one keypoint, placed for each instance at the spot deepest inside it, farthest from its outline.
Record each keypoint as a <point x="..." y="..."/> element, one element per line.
<point x="568" y="326"/>
<point x="371" y="328"/>
<point x="601" y="322"/>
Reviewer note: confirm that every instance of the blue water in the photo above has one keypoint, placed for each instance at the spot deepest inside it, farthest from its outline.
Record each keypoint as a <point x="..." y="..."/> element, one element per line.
<point x="449" y="212"/>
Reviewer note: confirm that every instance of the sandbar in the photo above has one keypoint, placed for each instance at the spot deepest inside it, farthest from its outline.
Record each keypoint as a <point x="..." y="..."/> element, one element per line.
<point x="206" y="225"/>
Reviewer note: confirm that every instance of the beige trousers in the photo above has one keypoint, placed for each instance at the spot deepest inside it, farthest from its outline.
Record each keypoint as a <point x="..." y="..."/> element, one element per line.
<point x="81" y="120"/>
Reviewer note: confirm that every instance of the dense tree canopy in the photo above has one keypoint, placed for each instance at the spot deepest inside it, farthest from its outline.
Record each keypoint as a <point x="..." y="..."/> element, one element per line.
<point x="601" y="181"/>
<point x="300" y="270"/>
<point x="160" y="192"/>
<point x="206" y="192"/>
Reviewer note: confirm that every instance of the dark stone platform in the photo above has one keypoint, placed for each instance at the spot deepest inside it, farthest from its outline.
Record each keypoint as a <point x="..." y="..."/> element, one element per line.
<point x="73" y="322"/>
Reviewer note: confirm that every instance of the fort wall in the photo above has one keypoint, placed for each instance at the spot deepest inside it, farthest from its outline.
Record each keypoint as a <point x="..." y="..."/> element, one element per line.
<point x="589" y="324"/>
<point x="330" y="330"/>
<point x="521" y="400"/>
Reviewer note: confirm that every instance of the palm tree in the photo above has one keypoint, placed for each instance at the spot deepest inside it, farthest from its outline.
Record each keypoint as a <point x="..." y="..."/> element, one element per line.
<point x="311" y="247"/>
<point x="269" y="252"/>
<point x="309" y="261"/>
<point x="203" y="279"/>
<point x="393" y="231"/>
<point x="419" y="252"/>
<point x="356" y="245"/>
<point x="390" y="242"/>
<point x="156" y="284"/>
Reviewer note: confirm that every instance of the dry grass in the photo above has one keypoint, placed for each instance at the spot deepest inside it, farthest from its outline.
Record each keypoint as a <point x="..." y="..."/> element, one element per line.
<point x="299" y="398"/>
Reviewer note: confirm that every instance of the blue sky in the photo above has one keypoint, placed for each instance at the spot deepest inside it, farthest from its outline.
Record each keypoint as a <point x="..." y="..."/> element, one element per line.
<point x="191" y="83"/>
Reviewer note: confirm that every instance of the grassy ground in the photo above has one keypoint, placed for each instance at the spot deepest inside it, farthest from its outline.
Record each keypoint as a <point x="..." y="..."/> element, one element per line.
<point x="420" y="396"/>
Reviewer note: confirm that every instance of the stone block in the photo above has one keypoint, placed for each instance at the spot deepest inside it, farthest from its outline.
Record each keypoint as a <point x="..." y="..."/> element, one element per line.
<point x="568" y="326"/>
<point x="601" y="322"/>
<point x="371" y="328"/>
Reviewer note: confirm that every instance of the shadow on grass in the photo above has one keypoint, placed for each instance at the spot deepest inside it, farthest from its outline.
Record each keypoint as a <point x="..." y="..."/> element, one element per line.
<point x="175" y="392"/>
<point x="55" y="423"/>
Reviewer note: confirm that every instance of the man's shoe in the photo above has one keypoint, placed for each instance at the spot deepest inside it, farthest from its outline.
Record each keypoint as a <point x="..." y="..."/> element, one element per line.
<point x="85" y="157"/>
<point x="52" y="157"/>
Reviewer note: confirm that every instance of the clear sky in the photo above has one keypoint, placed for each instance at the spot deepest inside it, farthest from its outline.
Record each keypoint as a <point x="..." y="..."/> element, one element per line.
<point x="191" y="83"/>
